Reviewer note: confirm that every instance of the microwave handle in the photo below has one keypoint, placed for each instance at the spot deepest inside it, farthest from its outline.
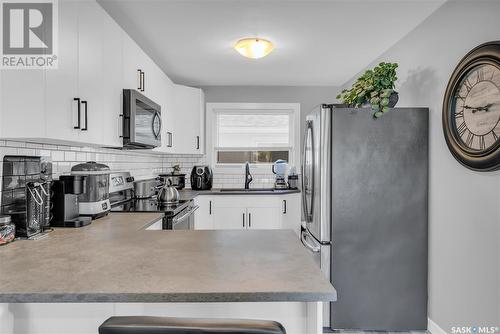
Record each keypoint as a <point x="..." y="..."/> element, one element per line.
<point x="156" y="115"/>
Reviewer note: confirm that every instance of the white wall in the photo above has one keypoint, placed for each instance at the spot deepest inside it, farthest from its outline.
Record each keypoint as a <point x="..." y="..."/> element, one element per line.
<point x="464" y="216"/>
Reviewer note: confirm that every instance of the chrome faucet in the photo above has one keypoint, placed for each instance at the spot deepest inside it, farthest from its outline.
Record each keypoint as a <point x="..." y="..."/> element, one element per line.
<point x="248" y="176"/>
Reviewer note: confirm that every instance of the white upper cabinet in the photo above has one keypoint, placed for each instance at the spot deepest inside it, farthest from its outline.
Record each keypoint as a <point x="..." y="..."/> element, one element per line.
<point x="61" y="84"/>
<point x="81" y="101"/>
<point x="133" y="63"/>
<point x="189" y="120"/>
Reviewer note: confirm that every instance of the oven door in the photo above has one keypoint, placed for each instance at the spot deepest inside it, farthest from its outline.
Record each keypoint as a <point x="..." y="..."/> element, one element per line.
<point x="184" y="220"/>
<point x="141" y="121"/>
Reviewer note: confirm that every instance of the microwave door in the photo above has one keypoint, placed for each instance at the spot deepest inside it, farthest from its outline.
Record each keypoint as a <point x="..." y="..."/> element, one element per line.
<point x="147" y="125"/>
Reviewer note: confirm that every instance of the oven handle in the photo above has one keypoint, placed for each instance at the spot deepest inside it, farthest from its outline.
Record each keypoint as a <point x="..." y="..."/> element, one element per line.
<point x="186" y="215"/>
<point x="313" y="248"/>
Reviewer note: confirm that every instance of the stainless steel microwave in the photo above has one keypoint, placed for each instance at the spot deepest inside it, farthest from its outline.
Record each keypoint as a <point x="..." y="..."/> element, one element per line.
<point x="141" y="121"/>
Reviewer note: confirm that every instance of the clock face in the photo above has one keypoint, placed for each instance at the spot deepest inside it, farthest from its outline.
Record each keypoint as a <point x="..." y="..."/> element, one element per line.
<point x="475" y="108"/>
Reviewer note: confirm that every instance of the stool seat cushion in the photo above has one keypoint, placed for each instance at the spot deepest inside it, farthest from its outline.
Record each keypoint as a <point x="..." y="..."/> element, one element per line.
<point x="168" y="325"/>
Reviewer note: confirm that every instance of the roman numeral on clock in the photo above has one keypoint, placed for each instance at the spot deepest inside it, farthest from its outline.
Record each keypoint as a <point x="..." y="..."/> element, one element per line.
<point x="461" y="129"/>
<point x="482" y="143"/>
<point x="467" y="84"/>
<point x="470" y="139"/>
<point x="459" y="114"/>
<point x="480" y="75"/>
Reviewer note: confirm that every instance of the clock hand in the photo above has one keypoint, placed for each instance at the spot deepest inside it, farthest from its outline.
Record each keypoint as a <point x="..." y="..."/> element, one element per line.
<point x="474" y="110"/>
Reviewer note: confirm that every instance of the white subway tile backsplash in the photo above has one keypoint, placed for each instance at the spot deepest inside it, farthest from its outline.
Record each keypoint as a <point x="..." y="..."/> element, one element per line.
<point x="81" y="156"/>
<point x="57" y="156"/>
<point x="141" y="164"/>
<point x="69" y="156"/>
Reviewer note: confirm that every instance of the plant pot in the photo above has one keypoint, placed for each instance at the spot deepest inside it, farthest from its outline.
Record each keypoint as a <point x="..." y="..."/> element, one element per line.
<point x="393" y="99"/>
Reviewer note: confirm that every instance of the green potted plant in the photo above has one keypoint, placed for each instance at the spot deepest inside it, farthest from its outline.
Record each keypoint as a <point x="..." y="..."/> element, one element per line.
<point x="375" y="88"/>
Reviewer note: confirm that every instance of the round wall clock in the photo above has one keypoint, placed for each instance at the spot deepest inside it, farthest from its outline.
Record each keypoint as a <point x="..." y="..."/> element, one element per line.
<point x="471" y="109"/>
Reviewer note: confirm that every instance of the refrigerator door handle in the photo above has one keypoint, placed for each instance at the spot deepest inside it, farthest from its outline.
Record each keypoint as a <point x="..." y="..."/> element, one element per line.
<point x="303" y="237"/>
<point x="309" y="178"/>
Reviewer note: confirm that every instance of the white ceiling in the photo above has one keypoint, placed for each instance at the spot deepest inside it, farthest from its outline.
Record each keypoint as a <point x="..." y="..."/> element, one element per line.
<point x="316" y="42"/>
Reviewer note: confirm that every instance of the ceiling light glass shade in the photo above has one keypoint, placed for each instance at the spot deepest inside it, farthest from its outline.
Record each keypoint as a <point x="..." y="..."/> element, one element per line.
<point x="254" y="47"/>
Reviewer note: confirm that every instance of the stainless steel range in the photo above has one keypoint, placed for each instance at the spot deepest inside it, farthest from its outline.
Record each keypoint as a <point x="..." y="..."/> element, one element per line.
<point x="178" y="216"/>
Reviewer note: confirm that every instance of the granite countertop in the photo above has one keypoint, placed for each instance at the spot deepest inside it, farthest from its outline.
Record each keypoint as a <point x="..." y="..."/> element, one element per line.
<point x="187" y="194"/>
<point x="116" y="260"/>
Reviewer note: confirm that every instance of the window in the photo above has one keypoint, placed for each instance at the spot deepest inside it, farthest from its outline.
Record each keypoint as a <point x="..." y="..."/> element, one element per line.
<point x="258" y="133"/>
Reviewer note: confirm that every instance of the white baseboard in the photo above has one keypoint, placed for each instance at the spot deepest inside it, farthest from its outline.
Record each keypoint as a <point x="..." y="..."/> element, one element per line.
<point x="434" y="328"/>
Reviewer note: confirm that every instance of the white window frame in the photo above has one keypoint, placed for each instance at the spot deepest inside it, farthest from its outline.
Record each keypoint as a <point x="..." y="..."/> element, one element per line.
<point x="263" y="168"/>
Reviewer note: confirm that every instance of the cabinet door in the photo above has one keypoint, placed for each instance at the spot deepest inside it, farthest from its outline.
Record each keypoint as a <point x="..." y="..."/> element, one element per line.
<point x="188" y="120"/>
<point x="201" y="127"/>
<point x="62" y="83"/>
<point x="131" y="63"/>
<point x="229" y="218"/>
<point x="203" y="216"/>
<point x="22" y="112"/>
<point x="111" y="103"/>
<point x="263" y="218"/>
<point x="90" y="70"/>
<point x="291" y="212"/>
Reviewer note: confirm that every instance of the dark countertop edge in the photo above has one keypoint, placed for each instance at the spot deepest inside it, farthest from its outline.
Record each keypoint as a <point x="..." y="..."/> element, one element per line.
<point x="189" y="193"/>
<point x="215" y="297"/>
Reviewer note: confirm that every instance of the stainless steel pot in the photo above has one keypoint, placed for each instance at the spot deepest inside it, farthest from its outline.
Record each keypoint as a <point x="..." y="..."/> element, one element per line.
<point x="168" y="193"/>
<point x="146" y="188"/>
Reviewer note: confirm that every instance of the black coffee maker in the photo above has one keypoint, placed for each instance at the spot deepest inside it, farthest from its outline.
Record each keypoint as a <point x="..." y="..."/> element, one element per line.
<point x="65" y="211"/>
<point x="201" y="178"/>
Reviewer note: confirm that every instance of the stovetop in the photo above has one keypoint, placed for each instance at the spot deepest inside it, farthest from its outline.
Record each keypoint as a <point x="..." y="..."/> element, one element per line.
<point x="150" y="205"/>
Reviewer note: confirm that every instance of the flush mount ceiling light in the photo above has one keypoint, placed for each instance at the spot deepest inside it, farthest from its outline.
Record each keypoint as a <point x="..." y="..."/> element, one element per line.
<point x="254" y="48"/>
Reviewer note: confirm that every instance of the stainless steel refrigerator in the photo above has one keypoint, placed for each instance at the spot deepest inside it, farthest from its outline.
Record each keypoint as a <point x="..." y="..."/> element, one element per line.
<point x="365" y="190"/>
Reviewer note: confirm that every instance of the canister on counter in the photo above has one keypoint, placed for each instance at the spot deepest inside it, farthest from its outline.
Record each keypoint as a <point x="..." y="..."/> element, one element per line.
<point x="7" y="230"/>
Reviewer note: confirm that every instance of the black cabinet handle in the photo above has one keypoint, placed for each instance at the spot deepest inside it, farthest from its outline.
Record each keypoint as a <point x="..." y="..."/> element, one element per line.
<point x="169" y="139"/>
<point x="85" y="128"/>
<point x="197" y="142"/>
<point x="210" y="207"/>
<point x="249" y="219"/>
<point x="243" y="219"/>
<point x="284" y="206"/>
<point x="143" y="79"/>
<point x="139" y="79"/>
<point x="77" y="99"/>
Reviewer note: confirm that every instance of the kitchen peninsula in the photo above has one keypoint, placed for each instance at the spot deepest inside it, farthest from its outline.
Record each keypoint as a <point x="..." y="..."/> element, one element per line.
<point x="116" y="266"/>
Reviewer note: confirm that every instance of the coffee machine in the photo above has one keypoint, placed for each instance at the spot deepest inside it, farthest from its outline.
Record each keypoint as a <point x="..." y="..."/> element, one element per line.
<point x="279" y="169"/>
<point x="66" y="204"/>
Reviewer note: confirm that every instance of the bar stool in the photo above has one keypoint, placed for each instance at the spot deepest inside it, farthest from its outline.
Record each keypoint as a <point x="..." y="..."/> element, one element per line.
<point x="168" y="325"/>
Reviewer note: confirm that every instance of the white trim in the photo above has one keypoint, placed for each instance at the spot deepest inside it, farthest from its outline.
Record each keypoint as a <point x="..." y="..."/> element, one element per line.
<point x="213" y="108"/>
<point x="434" y="328"/>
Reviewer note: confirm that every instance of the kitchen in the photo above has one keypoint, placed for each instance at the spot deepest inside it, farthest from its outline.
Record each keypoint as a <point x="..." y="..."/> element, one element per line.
<point x="209" y="110"/>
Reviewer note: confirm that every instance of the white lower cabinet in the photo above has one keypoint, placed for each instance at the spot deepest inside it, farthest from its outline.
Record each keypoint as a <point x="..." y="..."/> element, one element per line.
<point x="203" y="218"/>
<point x="236" y="212"/>
<point x="230" y="218"/>
<point x="156" y="226"/>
